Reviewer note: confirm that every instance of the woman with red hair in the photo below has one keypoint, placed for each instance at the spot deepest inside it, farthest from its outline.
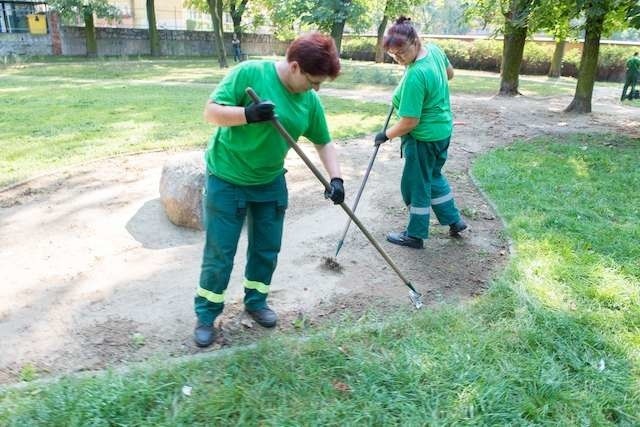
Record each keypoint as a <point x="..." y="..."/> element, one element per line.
<point x="245" y="170"/>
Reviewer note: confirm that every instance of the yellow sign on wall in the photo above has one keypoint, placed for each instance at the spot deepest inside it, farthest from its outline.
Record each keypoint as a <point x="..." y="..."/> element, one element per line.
<point x="37" y="23"/>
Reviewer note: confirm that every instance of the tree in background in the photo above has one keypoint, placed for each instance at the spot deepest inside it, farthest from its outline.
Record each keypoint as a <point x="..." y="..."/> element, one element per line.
<point x="331" y="16"/>
<point x="215" y="9"/>
<point x="516" y="18"/>
<point x="154" y="36"/>
<point x="236" y="10"/>
<point x="555" y="17"/>
<point x="391" y="9"/>
<point x="600" y="16"/>
<point x="72" y="9"/>
<point x="512" y="16"/>
<point x="442" y="17"/>
<point x="290" y="17"/>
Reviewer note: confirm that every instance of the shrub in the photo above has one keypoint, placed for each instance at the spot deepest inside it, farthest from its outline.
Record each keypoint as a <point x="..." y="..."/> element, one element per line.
<point x="359" y="48"/>
<point x="612" y="62"/>
<point x="537" y="58"/>
<point x="457" y="51"/>
<point x="486" y="55"/>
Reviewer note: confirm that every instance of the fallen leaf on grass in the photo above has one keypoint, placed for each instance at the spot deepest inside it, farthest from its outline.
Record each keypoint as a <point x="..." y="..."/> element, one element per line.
<point x="341" y="387"/>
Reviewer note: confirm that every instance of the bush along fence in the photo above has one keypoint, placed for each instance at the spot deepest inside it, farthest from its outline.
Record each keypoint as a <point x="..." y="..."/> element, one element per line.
<point x="486" y="55"/>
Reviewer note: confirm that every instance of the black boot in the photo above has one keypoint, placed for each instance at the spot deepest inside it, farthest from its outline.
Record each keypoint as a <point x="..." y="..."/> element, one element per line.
<point x="456" y="228"/>
<point x="264" y="317"/>
<point x="403" y="239"/>
<point x="204" y="335"/>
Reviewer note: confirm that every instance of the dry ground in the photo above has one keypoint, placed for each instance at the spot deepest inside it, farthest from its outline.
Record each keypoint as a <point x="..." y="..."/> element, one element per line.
<point x="93" y="273"/>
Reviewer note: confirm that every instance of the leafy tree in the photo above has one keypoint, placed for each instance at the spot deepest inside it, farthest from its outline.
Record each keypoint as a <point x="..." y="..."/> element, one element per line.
<point x="236" y="10"/>
<point x="71" y="9"/>
<point x="329" y="16"/>
<point x="390" y="10"/>
<point x="515" y="35"/>
<point x="443" y="17"/>
<point x="513" y="18"/>
<point x="555" y="17"/>
<point x="154" y="36"/>
<point x="601" y="16"/>
<point x="286" y="17"/>
<point x="215" y="8"/>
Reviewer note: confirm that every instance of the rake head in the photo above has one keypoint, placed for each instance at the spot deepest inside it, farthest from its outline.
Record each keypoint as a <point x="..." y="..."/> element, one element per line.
<point x="416" y="299"/>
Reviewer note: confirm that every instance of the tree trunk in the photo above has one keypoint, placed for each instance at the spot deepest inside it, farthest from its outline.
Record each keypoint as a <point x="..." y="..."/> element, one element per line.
<point x="555" y="69"/>
<point x="512" y="51"/>
<point x="336" y="32"/>
<point x="237" y="25"/>
<point x="154" y="36"/>
<point x="380" y="39"/>
<point x="236" y="15"/>
<point x="90" y="32"/>
<point x="215" y="9"/>
<point x="588" y="66"/>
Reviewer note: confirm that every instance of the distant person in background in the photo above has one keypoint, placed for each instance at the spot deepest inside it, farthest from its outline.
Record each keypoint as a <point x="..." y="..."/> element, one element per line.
<point x="237" y="53"/>
<point x="631" y="79"/>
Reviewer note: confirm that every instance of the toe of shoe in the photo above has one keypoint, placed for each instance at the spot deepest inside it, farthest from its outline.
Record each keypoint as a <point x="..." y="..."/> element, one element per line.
<point x="204" y="337"/>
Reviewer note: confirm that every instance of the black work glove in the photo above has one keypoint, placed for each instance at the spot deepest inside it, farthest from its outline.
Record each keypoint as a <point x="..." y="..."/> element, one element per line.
<point x="337" y="191"/>
<point x="380" y="138"/>
<point x="259" y="112"/>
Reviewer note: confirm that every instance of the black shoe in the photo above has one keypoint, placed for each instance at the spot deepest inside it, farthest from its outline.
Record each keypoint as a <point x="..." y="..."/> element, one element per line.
<point x="264" y="317"/>
<point x="403" y="239"/>
<point x="204" y="335"/>
<point x="456" y="228"/>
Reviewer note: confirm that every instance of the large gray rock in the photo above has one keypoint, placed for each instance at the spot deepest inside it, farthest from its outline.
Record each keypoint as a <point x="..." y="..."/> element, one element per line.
<point x="181" y="186"/>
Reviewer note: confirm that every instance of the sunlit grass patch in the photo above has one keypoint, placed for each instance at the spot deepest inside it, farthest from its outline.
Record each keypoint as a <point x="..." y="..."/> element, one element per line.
<point x="49" y="123"/>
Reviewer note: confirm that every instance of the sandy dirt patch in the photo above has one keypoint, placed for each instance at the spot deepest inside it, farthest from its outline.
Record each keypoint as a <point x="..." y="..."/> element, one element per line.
<point x="94" y="274"/>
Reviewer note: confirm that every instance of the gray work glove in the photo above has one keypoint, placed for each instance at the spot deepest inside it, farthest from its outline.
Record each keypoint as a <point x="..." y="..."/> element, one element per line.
<point x="259" y="112"/>
<point x="380" y="138"/>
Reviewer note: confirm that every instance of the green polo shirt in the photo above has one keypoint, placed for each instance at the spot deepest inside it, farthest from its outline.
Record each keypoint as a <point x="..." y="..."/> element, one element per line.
<point x="254" y="153"/>
<point x="423" y="93"/>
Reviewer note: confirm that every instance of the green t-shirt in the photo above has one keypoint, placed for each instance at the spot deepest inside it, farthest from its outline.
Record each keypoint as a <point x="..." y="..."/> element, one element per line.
<point x="254" y="153"/>
<point x="633" y="66"/>
<point x="423" y="93"/>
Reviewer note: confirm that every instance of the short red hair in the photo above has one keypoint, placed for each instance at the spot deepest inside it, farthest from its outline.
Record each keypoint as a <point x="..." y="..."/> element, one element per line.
<point x="316" y="54"/>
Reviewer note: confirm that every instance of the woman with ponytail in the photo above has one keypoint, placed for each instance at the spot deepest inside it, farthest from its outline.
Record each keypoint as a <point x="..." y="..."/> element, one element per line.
<point x="425" y="123"/>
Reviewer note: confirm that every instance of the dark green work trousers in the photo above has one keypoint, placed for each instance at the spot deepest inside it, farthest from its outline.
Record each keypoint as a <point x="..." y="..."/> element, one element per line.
<point x="225" y="208"/>
<point x="423" y="185"/>
<point x="631" y="79"/>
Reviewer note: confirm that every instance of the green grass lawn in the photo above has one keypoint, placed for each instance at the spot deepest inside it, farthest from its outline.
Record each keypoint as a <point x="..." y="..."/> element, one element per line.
<point x="60" y="112"/>
<point x="54" y="115"/>
<point x="555" y="340"/>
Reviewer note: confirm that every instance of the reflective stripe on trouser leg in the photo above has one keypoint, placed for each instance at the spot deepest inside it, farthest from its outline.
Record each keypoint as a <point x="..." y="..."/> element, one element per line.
<point x="442" y="201"/>
<point x="223" y="223"/>
<point x="415" y="186"/>
<point x="264" y="228"/>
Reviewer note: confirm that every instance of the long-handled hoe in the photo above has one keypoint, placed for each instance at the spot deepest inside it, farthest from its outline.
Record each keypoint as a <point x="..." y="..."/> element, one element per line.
<point x="414" y="296"/>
